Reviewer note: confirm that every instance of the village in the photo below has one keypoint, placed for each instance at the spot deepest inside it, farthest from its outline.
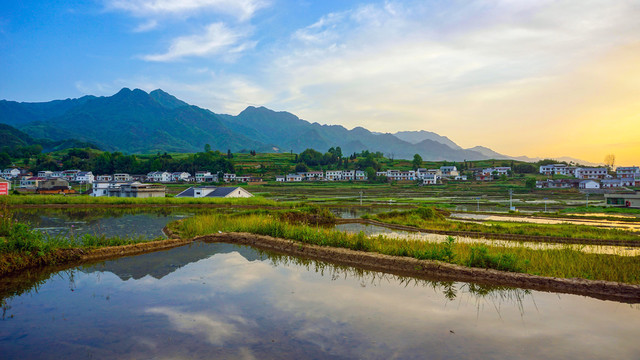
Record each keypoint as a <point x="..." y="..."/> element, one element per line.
<point x="152" y="184"/>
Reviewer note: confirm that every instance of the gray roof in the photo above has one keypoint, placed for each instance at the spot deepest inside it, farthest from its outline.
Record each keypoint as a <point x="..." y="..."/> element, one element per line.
<point x="218" y="192"/>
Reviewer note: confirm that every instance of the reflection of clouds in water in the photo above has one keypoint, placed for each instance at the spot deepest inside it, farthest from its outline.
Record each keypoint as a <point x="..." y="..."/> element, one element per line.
<point x="377" y="310"/>
<point x="238" y="273"/>
<point x="213" y="327"/>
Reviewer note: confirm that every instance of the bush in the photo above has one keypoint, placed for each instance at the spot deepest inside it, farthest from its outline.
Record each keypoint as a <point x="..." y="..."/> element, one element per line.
<point x="481" y="258"/>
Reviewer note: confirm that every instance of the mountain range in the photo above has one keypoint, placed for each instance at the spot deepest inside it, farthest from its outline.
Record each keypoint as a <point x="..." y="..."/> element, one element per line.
<point x="134" y="121"/>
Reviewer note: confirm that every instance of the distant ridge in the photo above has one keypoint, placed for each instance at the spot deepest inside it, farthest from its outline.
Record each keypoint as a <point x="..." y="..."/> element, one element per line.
<point x="134" y="121"/>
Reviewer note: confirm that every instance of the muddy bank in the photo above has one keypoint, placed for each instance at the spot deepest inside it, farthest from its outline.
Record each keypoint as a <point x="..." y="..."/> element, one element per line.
<point x="495" y="236"/>
<point x="405" y="266"/>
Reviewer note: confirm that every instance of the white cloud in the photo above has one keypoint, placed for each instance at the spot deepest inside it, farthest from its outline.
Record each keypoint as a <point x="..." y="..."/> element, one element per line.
<point x="413" y="61"/>
<point x="241" y="9"/>
<point x="214" y="328"/>
<point x="217" y="39"/>
<point x="146" y="26"/>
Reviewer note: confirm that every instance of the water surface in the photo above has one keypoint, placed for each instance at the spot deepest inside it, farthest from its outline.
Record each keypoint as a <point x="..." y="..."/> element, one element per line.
<point x="228" y="302"/>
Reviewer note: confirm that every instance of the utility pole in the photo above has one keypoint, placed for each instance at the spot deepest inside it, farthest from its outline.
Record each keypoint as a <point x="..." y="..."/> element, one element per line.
<point x="360" y="197"/>
<point x="510" y="199"/>
<point x="545" y="204"/>
<point x="478" y="203"/>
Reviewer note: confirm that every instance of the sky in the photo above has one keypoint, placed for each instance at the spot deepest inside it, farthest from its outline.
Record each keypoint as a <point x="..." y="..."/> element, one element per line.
<point x="538" y="78"/>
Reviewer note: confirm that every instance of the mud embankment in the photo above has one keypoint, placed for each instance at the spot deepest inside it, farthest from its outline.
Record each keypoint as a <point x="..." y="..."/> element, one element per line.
<point x="405" y="266"/>
<point x="497" y="236"/>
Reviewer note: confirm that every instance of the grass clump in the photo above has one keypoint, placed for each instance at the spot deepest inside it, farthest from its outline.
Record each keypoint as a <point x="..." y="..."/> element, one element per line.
<point x="480" y="257"/>
<point x="566" y="263"/>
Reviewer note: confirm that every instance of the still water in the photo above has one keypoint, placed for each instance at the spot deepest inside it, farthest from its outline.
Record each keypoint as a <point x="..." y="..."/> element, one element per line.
<point x="224" y="301"/>
<point x="123" y="223"/>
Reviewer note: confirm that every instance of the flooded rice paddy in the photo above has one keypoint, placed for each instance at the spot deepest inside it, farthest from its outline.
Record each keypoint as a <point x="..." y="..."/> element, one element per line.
<point x="122" y="223"/>
<point x="375" y="230"/>
<point x="631" y="226"/>
<point x="228" y="302"/>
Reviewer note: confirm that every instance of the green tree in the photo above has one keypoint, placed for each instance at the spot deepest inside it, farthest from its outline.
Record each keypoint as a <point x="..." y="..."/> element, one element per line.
<point x="417" y="161"/>
<point x="207" y="147"/>
<point x="5" y="160"/>
<point x="530" y="183"/>
<point x="301" y="167"/>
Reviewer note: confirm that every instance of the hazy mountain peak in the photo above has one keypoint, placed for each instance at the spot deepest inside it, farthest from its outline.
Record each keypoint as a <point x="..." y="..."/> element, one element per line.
<point x="167" y="100"/>
<point x="415" y="137"/>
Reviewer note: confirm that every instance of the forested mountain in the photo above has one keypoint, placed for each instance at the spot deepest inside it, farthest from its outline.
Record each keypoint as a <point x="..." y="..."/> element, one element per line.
<point x="134" y="121"/>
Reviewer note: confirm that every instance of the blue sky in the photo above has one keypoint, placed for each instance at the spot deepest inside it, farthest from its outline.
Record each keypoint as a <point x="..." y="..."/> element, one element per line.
<point x="541" y="78"/>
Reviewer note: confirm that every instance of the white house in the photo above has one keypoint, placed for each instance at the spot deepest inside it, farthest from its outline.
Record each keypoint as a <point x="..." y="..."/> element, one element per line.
<point x="200" y="175"/>
<point x="227" y="177"/>
<point x="397" y="175"/>
<point x="243" y="178"/>
<point x="85" y="177"/>
<point x="449" y="170"/>
<point x="180" y="176"/>
<point x="314" y="175"/>
<point x="159" y="176"/>
<point x="334" y="175"/>
<point x="628" y="172"/>
<point x="122" y="177"/>
<point x="70" y="175"/>
<point x="215" y="192"/>
<point x="348" y="175"/>
<point x="612" y="183"/>
<point x="430" y="179"/>
<point x="56" y="174"/>
<point x="45" y="173"/>
<point x="281" y="178"/>
<point x="591" y="173"/>
<point x="361" y="175"/>
<point x="104" y="178"/>
<point x="589" y="185"/>
<point x="294" y="177"/>
<point x="10" y="173"/>
<point x="102" y="188"/>
<point x="30" y="182"/>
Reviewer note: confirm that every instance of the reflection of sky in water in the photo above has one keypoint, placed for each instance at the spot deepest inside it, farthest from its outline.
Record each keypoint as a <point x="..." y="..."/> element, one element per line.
<point x="225" y="306"/>
<point x="374" y="230"/>
<point x="148" y="225"/>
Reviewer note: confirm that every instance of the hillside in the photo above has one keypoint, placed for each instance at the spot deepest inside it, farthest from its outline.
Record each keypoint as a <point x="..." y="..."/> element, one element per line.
<point x="134" y="121"/>
<point x="12" y="139"/>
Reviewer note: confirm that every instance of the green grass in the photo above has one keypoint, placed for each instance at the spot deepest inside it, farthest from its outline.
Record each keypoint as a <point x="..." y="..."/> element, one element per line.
<point x="21" y="245"/>
<point x="601" y="209"/>
<point x="59" y="199"/>
<point x="566" y="263"/>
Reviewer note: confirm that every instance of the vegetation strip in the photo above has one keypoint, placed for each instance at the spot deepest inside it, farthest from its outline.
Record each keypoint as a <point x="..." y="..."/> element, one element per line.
<point x="405" y="266"/>
<point x="496" y="236"/>
<point x="77" y="256"/>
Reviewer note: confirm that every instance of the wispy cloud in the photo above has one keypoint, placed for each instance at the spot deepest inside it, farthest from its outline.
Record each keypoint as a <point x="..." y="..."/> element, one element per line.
<point x="241" y="9"/>
<point x="216" y="39"/>
<point x="146" y="26"/>
<point x="427" y="63"/>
